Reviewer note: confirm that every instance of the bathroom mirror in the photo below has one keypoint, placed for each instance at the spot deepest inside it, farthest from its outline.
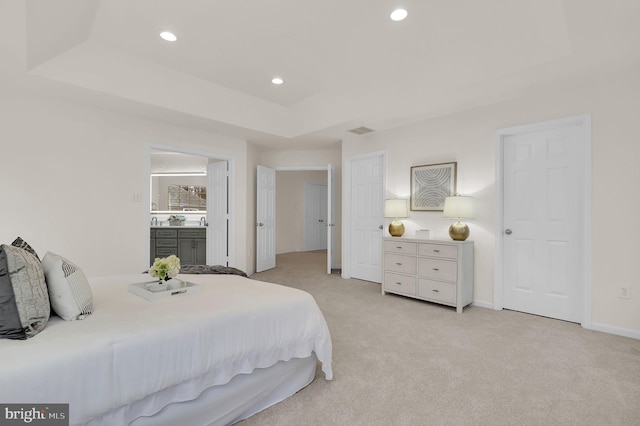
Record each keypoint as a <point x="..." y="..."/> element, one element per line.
<point x="178" y="182"/>
<point x="178" y="193"/>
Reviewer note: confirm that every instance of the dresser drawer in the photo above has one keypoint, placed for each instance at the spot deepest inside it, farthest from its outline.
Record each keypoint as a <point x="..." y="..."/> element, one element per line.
<point x="399" y="263"/>
<point x="437" y="291"/>
<point x="400" y="247"/>
<point x="400" y="283"/>
<point x="166" y="233"/>
<point x="439" y="269"/>
<point x="166" y="242"/>
<point x="192" y="233"/>
<point x="438" y="250"/>
<point x="166" y="251"/>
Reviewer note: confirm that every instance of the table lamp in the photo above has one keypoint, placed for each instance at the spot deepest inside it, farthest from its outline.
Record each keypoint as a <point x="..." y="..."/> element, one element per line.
<point x="459" y="207"/>
<point x="396" y="208"/>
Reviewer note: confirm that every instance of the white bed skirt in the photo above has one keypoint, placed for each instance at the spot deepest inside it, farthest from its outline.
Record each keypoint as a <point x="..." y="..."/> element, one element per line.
<point x="244" y="396"/>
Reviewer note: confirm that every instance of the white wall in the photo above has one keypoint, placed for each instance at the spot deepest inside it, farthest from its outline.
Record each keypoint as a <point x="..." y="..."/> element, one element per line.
<point x="613" y="100"/>
<point x="73" y="180"/>
<point x="290" y="207"/>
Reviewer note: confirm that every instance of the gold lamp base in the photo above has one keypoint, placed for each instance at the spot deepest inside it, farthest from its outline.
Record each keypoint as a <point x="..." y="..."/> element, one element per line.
<point x="459" y="231"/>
<point x="396" y="228"/>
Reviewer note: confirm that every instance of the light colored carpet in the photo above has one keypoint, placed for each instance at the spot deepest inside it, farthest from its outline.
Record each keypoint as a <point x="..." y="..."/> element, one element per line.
<point x="399" y="361"/>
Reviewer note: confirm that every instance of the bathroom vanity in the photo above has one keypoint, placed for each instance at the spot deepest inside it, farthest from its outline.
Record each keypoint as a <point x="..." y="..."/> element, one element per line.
<point x="189" y="243"/>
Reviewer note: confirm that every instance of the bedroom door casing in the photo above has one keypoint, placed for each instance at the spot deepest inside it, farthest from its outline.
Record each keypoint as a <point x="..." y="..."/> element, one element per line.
<point x="229" y="199"/>
<point x="544" y="220"/>
<point x="262" y="196"/>
<point x="265" y="219"/>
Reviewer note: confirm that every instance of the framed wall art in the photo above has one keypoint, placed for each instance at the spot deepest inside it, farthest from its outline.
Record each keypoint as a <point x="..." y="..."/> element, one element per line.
<point x="431" y="184"/>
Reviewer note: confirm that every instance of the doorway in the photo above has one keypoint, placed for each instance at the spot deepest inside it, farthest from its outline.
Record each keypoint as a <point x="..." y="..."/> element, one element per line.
<point x="543" y="219"/>
<point x="216" y="173"/>
<point x="281" y="212"/>
<point x="315" y="216"/>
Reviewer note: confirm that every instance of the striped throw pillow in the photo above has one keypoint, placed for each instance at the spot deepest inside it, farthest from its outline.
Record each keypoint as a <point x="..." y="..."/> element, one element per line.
<point x="69" y="289"/>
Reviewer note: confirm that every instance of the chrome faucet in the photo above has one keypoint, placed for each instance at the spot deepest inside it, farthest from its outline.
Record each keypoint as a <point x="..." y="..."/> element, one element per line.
<point x="154" y="220"/>
<point x="203" y="221"/>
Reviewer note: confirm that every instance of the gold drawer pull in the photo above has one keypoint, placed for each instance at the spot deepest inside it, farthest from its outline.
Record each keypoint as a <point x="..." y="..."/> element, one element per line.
<point x="436" y="250"/>
<point x="399" y="283"/>
<point x="435" y="290"/>
<point x="399" y="247"/>
<point x="436" y="269"/>
<point x="398" y="263"/>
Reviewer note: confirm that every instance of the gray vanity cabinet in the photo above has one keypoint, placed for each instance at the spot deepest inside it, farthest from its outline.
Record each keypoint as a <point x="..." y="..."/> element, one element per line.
<point x="189" y="244"/>
<point x="192" y="246"/>
<point x="152" y="247"/>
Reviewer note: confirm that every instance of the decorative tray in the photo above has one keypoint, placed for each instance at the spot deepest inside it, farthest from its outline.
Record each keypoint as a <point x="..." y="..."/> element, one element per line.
<point x="151" y="290"/>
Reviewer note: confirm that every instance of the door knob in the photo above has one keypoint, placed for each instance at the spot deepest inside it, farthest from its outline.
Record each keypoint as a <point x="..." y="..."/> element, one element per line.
<point x="380" y="227"/>
<point x="260" y="224"/>
<point x="508" y="231"/>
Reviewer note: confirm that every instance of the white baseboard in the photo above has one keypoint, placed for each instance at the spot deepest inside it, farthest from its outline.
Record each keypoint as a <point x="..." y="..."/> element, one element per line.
<point x="483" y="304"/>
<point x="634" y="334"/>
<point x="619" y="331"/>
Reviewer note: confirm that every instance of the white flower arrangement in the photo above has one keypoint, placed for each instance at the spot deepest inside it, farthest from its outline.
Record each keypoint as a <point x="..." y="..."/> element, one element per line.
<point x="165" y="268"/>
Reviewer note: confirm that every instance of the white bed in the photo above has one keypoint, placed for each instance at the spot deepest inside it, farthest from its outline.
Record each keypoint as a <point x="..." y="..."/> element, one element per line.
<point x="212" y="357"/>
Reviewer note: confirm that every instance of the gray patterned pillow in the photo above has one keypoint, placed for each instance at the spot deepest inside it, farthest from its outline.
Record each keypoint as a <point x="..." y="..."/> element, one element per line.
<point x="24" y="300"/>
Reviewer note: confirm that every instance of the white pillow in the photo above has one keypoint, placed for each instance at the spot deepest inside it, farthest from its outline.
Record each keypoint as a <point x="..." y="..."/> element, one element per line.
<point x="69" y="290"/>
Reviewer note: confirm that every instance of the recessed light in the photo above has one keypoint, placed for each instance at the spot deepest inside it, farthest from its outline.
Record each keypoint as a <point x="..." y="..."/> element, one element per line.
<point x="277" y="80"/>
<point x="398" y="15"/>
<point x="168" y="36"/>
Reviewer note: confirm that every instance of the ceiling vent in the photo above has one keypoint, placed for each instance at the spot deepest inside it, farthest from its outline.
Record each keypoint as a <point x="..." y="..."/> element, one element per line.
<point x="361" y="130"/>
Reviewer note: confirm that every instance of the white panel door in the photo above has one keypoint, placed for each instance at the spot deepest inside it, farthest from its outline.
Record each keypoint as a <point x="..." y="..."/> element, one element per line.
<point x="366" y="206"/>
<point x="217" y="214"/>
<point x="323" y="221"/>
<point x="543" y="222"/>
<point x="315" y="216"/>
<point x="330" y="217"/>
<point x="265" y="219"/>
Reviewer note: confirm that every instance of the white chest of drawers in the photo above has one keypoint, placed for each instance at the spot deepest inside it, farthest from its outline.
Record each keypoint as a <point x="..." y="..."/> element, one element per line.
<point x="438" y="271"/>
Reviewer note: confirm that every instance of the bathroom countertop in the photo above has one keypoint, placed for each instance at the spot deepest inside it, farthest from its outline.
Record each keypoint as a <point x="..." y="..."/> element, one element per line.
<point x="176" y="227"/>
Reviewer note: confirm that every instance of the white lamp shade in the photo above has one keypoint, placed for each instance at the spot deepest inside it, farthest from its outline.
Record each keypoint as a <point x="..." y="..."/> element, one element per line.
<point x="395" y="208"/>
<point x="459" y="207"/>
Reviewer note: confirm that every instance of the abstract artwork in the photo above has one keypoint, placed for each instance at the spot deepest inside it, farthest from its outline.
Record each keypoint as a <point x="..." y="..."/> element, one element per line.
<point x="431" y="184"/>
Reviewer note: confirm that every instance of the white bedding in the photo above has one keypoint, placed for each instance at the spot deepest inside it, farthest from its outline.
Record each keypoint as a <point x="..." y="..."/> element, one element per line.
<point x="130" y="347"/>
